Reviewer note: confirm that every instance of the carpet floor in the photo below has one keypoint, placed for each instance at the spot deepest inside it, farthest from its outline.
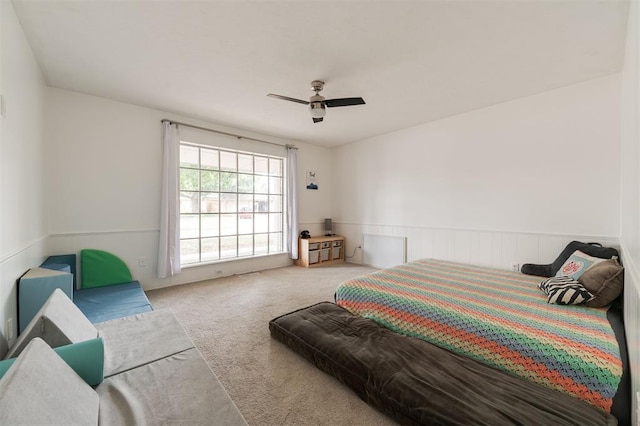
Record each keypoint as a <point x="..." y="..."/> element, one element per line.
<point x="228" y="318"/>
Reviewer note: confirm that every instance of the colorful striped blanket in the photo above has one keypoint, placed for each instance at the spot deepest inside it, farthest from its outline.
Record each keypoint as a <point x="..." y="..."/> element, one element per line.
<point x="497" y="317"/>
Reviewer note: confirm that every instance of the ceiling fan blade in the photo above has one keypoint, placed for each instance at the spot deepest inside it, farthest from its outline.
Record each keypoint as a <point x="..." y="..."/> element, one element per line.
<point x="343" y="102"/>
<point x="317" y="120"/>
<point x="286" y="98"/>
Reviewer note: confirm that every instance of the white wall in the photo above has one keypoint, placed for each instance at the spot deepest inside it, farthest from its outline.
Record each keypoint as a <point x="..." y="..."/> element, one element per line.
<point x="315" y="204"/>
<point x="630" y="207"/>
<point x="22" y="209"/>
<point x="103" y="183"/>
<point x="509" y="183"/>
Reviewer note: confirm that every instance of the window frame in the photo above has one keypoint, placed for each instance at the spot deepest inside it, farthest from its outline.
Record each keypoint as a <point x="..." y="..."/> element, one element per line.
<point x="267" y="203"/>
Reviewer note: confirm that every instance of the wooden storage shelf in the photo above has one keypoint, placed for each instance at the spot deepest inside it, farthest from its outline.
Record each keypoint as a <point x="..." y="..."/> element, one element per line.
<point x="320" y="251"/>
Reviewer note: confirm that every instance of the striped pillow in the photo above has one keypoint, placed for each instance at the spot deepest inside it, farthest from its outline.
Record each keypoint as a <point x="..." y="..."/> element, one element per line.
<point x="565" y="291"/>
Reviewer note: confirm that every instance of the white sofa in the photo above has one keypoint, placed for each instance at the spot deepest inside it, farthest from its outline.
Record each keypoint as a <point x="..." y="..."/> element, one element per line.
<point x="152" y="373"/>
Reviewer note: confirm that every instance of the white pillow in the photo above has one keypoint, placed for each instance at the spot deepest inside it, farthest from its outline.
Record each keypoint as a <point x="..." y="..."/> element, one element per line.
<point x="41" y="389"/>
<point x="577" y="264"/>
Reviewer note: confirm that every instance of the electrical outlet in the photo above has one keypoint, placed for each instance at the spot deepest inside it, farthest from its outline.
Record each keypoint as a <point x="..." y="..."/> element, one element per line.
<point x="9" y="330"/>
<point x="359" y="246"/>
<point x="142" y="262"/>
<point x="515" y="267"/>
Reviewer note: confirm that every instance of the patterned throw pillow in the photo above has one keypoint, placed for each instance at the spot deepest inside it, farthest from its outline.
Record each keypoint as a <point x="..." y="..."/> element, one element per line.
<point x="577" y="264"/>
<point x="565" y="291"/>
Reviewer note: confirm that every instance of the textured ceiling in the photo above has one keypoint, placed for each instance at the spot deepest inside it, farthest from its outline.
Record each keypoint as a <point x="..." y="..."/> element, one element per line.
<point x="412" y="61"/>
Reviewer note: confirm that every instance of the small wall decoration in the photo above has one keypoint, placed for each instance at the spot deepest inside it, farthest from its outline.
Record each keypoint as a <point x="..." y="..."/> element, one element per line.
<point x="312" y="180"/>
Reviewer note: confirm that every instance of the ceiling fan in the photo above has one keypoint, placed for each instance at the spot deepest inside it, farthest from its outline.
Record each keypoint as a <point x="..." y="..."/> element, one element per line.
<point x="318" y="103"/>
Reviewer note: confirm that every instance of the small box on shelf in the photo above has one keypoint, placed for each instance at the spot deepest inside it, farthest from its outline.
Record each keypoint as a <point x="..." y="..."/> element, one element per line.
<point x="336" y="252"/>
<point x="325" y="254"/>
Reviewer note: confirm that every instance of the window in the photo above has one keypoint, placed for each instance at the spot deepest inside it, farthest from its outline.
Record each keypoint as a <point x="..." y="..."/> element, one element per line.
<point x="231" y="204"/>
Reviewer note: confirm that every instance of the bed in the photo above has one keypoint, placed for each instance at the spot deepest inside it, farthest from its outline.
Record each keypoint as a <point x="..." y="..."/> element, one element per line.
<point x="435" y="342"/>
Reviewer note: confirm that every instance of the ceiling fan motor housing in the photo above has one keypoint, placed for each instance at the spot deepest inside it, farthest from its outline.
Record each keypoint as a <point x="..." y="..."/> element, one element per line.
<point x="316" y="106"/>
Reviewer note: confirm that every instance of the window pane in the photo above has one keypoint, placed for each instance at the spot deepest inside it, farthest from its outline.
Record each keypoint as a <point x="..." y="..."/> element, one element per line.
<point x="275" y="242"/>
<point x="228" y="161"/>
<point x="210" y="249"/>
<point x="189" y="202"/>
<point x="189" y="156"/>
<point x="228" y="247"/>
<point x="262" y="244"/>
<point x="261" y="222"/>
<point x="228" y="182"/>
<point x="275" y="185"/>
<point x="189" y="251"/>
<point x="262" y="203"/>
<point x="245" y="183"/>
<point x="275" y="167"/>
<point x="228" y="203"/>
<point x="189" y="226"/>
<point x="209" y="226"/>
<point x="245" y="245"/>
<point x="245" y="223"/>
<point x="275" y="222"/>
<point x="228" y="224"/>
<point x="189" y="179"/>
<point x="209" y="159"/>
<point x="245" y="203"/>
<point x="209" y="202"/>
<point x="275" y="203"/>
<point x="245" y="163"/>
<point x="245" y="215"/>
<point x="262" y="165"/>
<point x="261" y="184"/>
<point x="209" y="180"/>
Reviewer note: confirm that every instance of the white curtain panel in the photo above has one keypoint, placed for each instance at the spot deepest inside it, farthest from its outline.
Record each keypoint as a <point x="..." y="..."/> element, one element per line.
<point x="292" y="201"/>
<point x="169" y="245"/>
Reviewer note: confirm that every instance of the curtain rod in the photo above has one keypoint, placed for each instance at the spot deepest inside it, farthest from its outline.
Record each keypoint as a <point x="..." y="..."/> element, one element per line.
<point x="227" y="134"/>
